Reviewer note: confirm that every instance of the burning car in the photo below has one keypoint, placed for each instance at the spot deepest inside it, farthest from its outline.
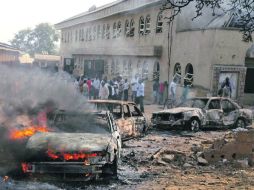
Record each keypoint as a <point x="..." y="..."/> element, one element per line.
<point x="204" y="112"/>
<point x="82" y="146"/>
<point x="130" y="120"/>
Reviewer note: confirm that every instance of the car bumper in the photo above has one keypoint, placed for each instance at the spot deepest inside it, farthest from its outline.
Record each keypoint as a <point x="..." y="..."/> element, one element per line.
<point x="63" y="168"/>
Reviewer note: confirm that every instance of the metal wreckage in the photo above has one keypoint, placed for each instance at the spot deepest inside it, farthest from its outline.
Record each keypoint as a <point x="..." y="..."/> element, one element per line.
<point x="198" y="113"/>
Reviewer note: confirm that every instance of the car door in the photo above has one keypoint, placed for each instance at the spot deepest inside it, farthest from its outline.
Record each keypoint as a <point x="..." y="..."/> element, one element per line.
<point x="126" y="123"/>
<point x="229" y="112"/>
<point x="214" y="113"/>
<point x="138" y="118"/>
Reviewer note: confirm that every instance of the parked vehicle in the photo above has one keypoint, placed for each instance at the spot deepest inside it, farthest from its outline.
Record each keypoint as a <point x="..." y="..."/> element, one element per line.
<point x="82" y="146"/>
<point x="197" y="113"/>
<point x="129" y="118"/>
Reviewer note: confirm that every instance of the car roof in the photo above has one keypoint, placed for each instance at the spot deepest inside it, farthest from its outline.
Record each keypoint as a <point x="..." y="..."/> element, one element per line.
<point x="111" y="102"/>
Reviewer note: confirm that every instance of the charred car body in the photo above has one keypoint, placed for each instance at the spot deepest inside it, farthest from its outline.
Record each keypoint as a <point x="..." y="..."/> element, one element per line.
<point x="130" y="120"/>
<point x="88" y="148"/>
<point x="204" y="112"/>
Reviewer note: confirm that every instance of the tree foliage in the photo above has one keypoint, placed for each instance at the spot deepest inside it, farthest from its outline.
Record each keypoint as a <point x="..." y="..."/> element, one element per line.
<point x="41" y="39"/>
<point x="242" y="10"/>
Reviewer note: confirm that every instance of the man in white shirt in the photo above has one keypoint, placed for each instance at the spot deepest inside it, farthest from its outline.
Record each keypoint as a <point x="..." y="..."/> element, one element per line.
<point x="134" y="84"/>
<point x="172" y="89"/>
<point x="141" y="94"/>
<point x="96" y="85"/>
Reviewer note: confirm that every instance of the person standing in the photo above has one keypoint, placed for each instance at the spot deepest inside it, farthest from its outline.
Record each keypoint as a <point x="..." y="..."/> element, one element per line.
<point x="161" y="92"/>
<point x="155" y="91"/>
<point x="172" y="89"/>
<point x="141" y="94"/>
<point x="226" y="88"/>
<point x="104" y="92"/>
<point x="96" y="86"/>
<point x="85" y="89"/>
<point x="89" y="85"/>
<point x="134" y="84"/>
<point x="186" y="86"/>
<point x="125" y="90"/>
<point x="121" y="87"/>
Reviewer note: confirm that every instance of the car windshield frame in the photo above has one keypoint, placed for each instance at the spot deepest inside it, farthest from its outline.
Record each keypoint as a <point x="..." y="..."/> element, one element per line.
<point x="81" y="122"/>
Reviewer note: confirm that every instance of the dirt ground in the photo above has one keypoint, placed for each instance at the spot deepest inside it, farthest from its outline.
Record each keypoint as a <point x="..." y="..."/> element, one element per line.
<point x="144" y="166"/>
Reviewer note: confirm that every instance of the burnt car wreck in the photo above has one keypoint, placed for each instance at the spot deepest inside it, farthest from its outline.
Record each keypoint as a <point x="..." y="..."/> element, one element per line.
<point x="197" y="113"/>
<point x="89" y="148"/>
<point x="129" y="119"/>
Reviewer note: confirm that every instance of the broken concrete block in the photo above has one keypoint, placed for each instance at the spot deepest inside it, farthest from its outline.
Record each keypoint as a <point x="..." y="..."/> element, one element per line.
<point x="168" y="157"/>
<point x="187" y="165"/>
<point x="243" y="163"/>
<point x="202" y="161"/>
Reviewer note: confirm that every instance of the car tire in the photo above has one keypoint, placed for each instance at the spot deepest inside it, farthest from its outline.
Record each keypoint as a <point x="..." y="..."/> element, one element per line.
<point x="194" y="125"/>
<point x="114" y="167"/>
<point x="240" y="123"/>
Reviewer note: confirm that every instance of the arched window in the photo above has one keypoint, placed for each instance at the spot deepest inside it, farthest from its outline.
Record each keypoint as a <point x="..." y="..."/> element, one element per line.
<point x="159" y="25"/>
<point x="142" y="25"/>
<point x="189" y="73"/>
<point x="177" y="72"/>
<point x="127" y="28"/>
<point x="132" y="28"/>
<point x="148" y="25"/>
<point x="114" y="30"/>
<point x="119" y="29"/>
<point x="108" y="32"/>
<point x="103" y="31"/>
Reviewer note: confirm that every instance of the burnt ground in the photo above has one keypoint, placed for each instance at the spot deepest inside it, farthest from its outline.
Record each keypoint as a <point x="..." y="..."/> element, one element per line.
<point x="144" y="166"/>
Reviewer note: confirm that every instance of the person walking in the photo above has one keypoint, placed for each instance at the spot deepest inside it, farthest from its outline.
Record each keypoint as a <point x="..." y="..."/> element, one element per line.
<point x="85" y="89"/>
<point x="126" y="90"/>
<point x="186" y="86"/>
<point x="121" y="87"/>
<point x="141" y="94"/>
<point x="172" y="89"/>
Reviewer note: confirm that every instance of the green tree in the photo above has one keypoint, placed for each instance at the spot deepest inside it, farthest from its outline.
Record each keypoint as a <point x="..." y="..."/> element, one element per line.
<point x="41" y="39"/>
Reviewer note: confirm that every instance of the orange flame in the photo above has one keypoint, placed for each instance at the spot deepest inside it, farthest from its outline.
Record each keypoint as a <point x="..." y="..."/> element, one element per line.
<point x="67" y="156"/>
<point x="27" y="132"/>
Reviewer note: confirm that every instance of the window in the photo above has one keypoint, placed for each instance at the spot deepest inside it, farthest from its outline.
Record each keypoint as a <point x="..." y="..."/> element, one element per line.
<point x="188" y="78"/>
<point x="94" y="33"/>
<point x="119" y="29"/>
<point x="114" y="30"/>
<point x="145" y="70"/>
<point x="104" y="31"/>
<point x="90" y="34"/>
<point x="159" y="23"/>
<point x="87" y="37"/>
<point x="127" y="28"/>
<point x="108" y="32"/>
<point x="113" y="68"/>
<point x="98" y="32"/>
<point x="249" y="87"/>
<point x="214" y="104"/>
<point x="76" y="35"/>
<point x="177" y="72"/>
<point x="148" y="25"/>
<point x="142" y="25"/>
<point x="132" y="28"/>
<point x="227" y="106"/>
<point x="82" y="35"/>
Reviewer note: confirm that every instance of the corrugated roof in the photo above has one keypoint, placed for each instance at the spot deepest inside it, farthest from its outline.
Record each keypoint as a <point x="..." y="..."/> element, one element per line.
<point x="7" y="47"/>
<point x="47" y="57"/>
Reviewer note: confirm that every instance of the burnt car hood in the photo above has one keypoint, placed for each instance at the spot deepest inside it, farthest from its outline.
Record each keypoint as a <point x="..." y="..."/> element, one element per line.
<point x="177" y="110"/>
<point x="69" y="142"/>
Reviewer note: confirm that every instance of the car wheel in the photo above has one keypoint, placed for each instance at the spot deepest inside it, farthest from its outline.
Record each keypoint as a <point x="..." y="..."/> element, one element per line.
<point x="114" y="167"/>
<point x="194" y="125"/>
<point x="240" y="123"/>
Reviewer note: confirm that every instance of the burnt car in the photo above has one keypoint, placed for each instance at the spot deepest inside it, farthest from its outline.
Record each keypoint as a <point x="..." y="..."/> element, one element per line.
<point x="197" y="113"/>
<point x="81" y="146"/>
<point x="130" y="120"/>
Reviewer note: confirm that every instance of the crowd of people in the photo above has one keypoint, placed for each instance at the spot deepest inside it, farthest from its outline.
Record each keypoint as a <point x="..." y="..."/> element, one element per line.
<point x="116" y="89"/>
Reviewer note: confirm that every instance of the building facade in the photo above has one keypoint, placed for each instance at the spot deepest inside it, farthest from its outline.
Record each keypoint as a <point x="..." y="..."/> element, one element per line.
<point x="129" y="37"/>
<point x="8" y="54"/>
